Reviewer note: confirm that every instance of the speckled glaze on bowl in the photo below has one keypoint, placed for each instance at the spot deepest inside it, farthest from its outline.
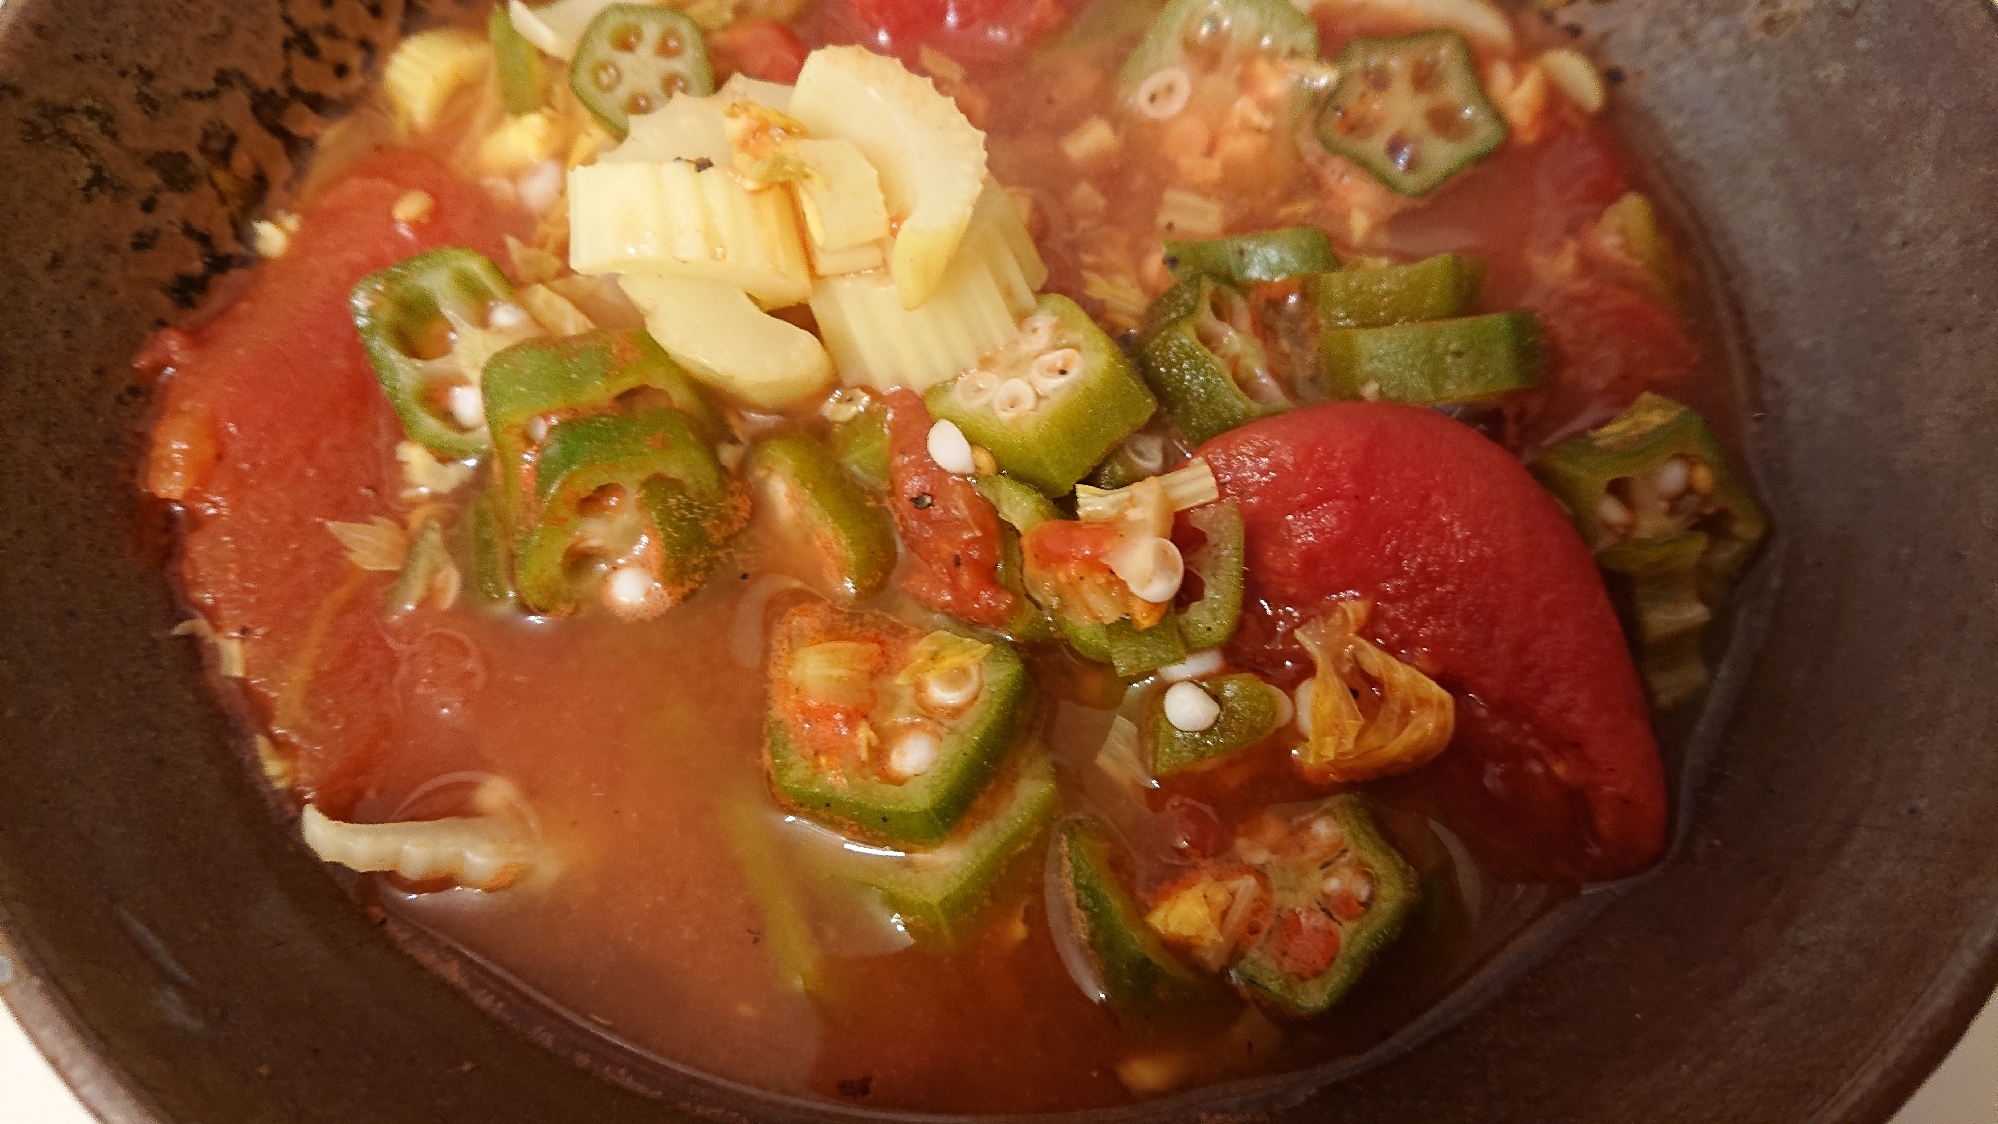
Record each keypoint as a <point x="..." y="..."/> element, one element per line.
<point x="1826" y="926"/>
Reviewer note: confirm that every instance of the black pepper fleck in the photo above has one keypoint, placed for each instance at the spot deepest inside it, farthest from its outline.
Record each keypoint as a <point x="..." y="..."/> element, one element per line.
<point x="1614" y="74"/>
<point x="922" y="501"/>
<point x="855" y="1087"/>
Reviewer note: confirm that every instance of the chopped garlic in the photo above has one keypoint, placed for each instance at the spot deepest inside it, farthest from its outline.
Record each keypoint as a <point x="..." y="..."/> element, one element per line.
<point x="1576" y="77"/>
<point x="1188" y="214"/>
<point x="272" y="236"/>
<point x="1090" y="140"/>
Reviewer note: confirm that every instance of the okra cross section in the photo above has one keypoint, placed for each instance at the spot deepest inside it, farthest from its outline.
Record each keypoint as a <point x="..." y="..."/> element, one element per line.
<point x="885" y="735"/>
<point x="1251" y="710"/>
<point x="429" y="324"/>
<point x="1653" y="495"/>
<point x="1410" y="110"/>
<point x="631" y="507"/>
<point x="1329" y="894"/>
<point x="533" y="386"/>
<point x="807" y="492"/>
<point x="940" y="891"/>
<point x="632" y="58"/>
<point x="1133" y="971"/>
<point x="1203" y="356"/>
<point x="1051" y="402"/>
<point x="1269" y="255"/>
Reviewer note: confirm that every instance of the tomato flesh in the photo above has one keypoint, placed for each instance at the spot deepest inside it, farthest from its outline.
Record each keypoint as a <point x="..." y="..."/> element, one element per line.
<point x="949" y="531"/>
<point x="757" y="48"/>
<point x="290" y="430"/>
<point x="1477" y="579"/>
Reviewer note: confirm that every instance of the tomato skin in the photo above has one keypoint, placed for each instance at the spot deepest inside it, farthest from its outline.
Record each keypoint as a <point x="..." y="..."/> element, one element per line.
<point x="298" y="432"/>
<point x="949" y="530"/>
<point x="758" y="48"/>
<point x="1478" y="579"/>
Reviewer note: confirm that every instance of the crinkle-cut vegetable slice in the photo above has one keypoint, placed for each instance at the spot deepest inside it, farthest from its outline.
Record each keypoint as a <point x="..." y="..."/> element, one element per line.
<point x="840" y="196"/>
<point x="687" y="218"/>
<point x="931" y="159"/>
<point x="724" y="340"/>
<point x="1369" y="715"/>
<point x="490" y="851"/>
<point x="426" y="69"/>
<point x="1411" y="111"/>
<point x="876" y="341"/>
<point x="633" y="58"/>
<point x="1469" y="359"/>
<point x="1478" y="20"/>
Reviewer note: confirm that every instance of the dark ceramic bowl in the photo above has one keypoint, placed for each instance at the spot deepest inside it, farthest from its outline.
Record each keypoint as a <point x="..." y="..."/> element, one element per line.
<point x="1826" y="925"/>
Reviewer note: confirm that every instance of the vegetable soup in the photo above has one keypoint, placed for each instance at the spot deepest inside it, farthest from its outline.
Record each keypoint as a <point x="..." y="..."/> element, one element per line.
<point x="987" y="557"/>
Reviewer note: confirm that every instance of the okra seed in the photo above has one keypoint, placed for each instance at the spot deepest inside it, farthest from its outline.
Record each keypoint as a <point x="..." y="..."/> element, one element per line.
<point x="537" y="429"/>
<point x="671" y="46"/>
<point x="1671" y="478"/>
<point x="1302" y="698"/>
<point x="976" y="386"/>
<point x="1162" y="96"/>
<point x="467" y="408"/>
<point x="1285" y="712"/>
<point x="1190" y="708"/>
<point x="951" y="449"/>
<point x="915" y="753"/>
<point x="1146" y="452"/>
<point x="626" y="37"/>
<point x="952" y="690"/>
<point x="1052" y="370"/>
<point x="1194" y="666"/>
<point x="1014" y="399"/>
<point x="638" y="104"/>
<point x="606" y="76"/>
<point x="1612" y="513"/>
<point x="1037" y="331"/>
<point x="1702" y="479"/>
<point x="629" y="585"/>
<point x="1151" y="567"/>
<point x="982" y="460"/>
<point x="506" y="316"/>
<point x="675" y="83"/>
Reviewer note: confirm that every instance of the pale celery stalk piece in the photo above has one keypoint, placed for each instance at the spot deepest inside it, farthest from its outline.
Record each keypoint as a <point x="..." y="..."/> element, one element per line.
<point x="930" y="158"/>
<point x="719" y="335"/>
<point x="876" y="341"/>
<point x="427" y="68"/>
<point x="840" y="195"/>
<point x="853" y="259"/>
<point x="687" y="219"/>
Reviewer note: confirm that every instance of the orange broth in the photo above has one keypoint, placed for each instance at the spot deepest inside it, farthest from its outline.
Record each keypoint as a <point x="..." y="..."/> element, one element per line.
<point x="639" y="746"/>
